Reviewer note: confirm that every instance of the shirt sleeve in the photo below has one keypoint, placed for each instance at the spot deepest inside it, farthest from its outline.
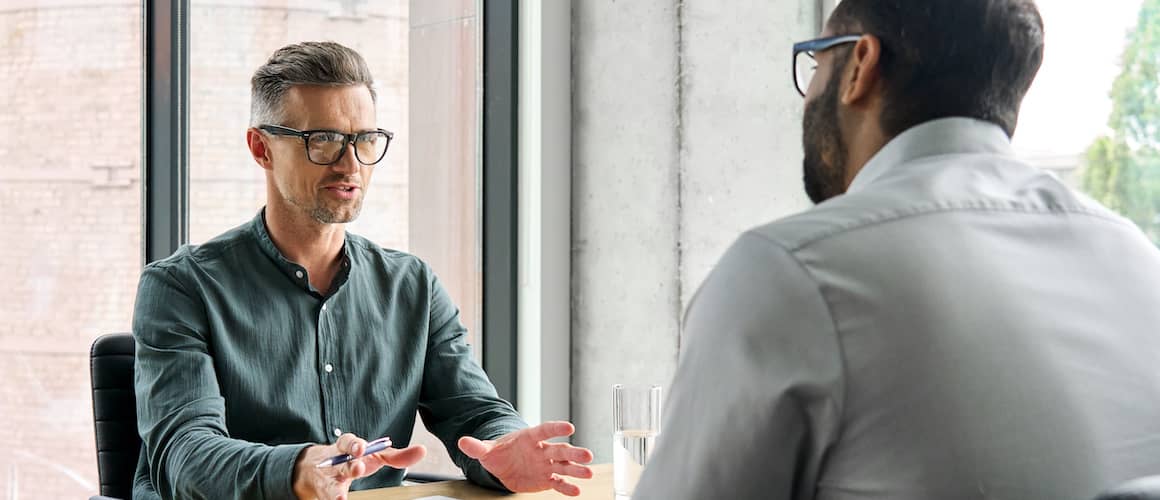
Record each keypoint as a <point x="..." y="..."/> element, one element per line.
<point x="457" y="399"/>
<point x="756" y="399"/>
<point x="180" y="411"/>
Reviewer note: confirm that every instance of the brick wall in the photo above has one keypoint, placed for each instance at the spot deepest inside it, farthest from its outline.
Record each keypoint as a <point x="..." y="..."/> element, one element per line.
<point x="69" y="229"/>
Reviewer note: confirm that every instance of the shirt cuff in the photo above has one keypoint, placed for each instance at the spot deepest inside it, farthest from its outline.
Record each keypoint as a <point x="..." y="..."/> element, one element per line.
<point x="480" y="476"/>
<point x="278" y="478"/>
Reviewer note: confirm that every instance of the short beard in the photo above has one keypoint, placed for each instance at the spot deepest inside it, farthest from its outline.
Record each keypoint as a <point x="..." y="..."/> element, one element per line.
<point x="320" y="213"/>
<point x="327" y="216"/>
<point x="825" y="152"/>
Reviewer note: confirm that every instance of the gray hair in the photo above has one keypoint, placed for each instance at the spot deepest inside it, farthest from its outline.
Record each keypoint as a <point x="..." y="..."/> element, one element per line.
<point x="306" y="63"/>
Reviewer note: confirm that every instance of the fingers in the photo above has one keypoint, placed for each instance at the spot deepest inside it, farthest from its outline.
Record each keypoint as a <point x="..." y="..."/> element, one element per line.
<point x="474" y="448"/>
<point x="564" y="452"/>
<point x="349" y="471"/>
<point x="564" y="487"/>
<point x="571" y="469"/>
<point x="549" y="430"/>
<point x="332" y="488"/>
<point x="352" y="444"/>
<point x="400" y="458"/>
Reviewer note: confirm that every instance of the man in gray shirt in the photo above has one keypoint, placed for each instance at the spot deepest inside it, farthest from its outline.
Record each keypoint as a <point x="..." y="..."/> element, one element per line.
<point x="948" y="322"/>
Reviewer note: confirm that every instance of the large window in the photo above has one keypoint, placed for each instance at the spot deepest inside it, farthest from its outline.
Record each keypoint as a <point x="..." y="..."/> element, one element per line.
<point x="71" y="208"/>
<point x="424" y="197"/>
<point x="1093" y="114"/>
<point x="70" y="227"/>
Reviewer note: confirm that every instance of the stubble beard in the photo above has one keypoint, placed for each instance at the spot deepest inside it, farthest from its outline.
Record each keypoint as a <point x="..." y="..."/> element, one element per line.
<point x="825" y="151"/>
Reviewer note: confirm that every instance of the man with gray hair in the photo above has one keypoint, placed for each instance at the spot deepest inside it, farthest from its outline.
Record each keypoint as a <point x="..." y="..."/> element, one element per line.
<point x="287" y="340"/>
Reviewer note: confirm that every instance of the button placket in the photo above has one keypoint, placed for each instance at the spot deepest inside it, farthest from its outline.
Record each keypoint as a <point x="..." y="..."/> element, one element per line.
<point x="331" y="417"/>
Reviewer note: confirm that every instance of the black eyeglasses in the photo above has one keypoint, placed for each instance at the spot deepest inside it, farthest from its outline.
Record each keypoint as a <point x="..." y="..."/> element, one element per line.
<point x="803" y="67"/>
<point x="326" y="147"/>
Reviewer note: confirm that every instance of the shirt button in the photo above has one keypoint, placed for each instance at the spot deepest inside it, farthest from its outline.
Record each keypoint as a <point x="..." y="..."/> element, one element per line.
<point x="298" y="274"/>
<point x="329" y="368"/>
<point x="337" y="432"/>
<point x="323" y="307"/>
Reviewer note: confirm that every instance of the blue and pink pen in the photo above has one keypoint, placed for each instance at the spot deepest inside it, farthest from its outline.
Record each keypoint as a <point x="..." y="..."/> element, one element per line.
<point x="372" y="447"/>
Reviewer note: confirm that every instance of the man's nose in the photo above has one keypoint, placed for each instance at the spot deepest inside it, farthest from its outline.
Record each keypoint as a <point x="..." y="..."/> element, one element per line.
<point x="348" y="162"/>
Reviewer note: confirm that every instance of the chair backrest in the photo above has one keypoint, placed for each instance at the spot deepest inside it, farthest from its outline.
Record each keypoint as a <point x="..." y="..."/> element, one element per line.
<point x="115" y="413"/>
<point x="1145" y="488"/>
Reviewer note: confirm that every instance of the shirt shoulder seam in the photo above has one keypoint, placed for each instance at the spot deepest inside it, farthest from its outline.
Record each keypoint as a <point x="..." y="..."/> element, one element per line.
<point x="833" y="323"/>
<point x="369" y="246"/>
<point x="898" y="215"/>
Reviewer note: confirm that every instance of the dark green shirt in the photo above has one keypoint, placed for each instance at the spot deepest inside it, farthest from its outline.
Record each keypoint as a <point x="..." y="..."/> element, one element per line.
<point x="241" y="364"/>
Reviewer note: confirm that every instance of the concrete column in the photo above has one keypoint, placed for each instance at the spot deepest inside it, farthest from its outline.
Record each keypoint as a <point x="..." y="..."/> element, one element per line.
<point x="686" y="132"/>
<point x="741" y="124"/>
<point x="626" y="290"/>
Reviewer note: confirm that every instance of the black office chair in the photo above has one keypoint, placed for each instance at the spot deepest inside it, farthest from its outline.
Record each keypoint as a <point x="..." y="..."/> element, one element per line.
<point x="115" y="417"/>
<point x="114" y="413"/>
<point x="1145" y="488"/>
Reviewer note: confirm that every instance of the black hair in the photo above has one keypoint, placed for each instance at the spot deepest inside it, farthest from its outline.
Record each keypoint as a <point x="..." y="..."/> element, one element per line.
<point x="946" y="58"/>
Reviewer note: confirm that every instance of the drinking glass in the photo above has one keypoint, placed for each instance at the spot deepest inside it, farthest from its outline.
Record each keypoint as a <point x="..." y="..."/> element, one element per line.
<point x="636" y="422"/>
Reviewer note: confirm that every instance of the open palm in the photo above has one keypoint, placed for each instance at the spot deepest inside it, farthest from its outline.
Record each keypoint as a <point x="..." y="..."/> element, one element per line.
<point x="524" y="461"/>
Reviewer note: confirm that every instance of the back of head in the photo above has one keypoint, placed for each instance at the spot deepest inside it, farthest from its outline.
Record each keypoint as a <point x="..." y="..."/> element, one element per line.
<point x="306" y="63"/>
<point x="945" y="58"/>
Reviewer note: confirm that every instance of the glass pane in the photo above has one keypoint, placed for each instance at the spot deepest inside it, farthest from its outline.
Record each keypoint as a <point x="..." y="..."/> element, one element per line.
<point x="1100" y="69"/>
<point x="70" y="205"/>
<point x="424" y="195"/>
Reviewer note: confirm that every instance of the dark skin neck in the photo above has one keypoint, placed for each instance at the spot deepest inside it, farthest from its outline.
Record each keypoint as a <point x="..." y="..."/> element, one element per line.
<point x="866" y="140"/>
<point x="862" y="103"/>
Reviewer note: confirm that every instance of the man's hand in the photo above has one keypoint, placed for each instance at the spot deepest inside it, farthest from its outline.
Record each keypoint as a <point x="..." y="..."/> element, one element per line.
<point x="333" y="483"/>
<point x="524" y="462"/>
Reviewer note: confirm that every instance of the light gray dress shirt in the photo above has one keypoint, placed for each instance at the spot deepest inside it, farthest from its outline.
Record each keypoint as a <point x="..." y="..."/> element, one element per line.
<point x="959" y="325"/>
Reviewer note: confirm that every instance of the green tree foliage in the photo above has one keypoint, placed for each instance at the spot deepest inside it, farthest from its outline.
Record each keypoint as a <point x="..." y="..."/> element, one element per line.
<point x="1122" y="169"/>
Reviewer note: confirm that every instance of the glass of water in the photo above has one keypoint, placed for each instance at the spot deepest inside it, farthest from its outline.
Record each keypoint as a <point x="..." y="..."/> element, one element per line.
<point x="636" y="422"/>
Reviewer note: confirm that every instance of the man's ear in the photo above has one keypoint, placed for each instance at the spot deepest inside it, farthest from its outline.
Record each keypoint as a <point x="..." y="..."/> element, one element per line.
<point x="259" y="148"/>
<point x="863" y="70"/>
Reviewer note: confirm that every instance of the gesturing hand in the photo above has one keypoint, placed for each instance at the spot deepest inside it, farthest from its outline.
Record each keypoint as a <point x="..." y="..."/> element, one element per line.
<point x="525" y="462"/>
<point x="333" y="483"/>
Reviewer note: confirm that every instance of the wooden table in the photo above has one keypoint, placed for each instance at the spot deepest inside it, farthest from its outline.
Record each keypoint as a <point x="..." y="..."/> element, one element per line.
<point x="597" y="488"/>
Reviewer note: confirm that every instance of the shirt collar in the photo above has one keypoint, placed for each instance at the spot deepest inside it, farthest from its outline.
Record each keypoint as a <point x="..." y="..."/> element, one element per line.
<point x="934" y="138"/>
<point x="292" y="270"/>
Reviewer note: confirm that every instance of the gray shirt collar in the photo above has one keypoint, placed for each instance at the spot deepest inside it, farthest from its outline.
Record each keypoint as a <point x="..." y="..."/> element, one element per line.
<point x="944" y="136"/>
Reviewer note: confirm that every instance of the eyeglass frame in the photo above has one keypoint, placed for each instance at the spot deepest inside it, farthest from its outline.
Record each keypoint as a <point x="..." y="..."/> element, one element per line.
<point x="812" y="47"/>
<point x="347" y="140"/>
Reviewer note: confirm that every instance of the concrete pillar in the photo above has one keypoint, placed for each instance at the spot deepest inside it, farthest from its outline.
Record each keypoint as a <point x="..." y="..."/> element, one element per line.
<point x="625" y="191"/>
<point x="686" y="132"/>
<point x="741" y="124"/>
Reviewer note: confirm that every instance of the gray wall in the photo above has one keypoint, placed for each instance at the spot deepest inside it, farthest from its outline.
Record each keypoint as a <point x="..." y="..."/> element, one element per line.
<point x="686" y="132"/>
